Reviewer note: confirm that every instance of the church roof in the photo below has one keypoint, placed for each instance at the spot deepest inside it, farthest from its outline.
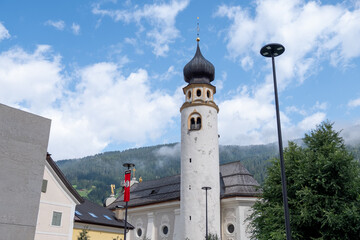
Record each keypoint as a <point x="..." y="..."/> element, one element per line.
<point x="235" y="181"/>
<point x="199" y="70"/>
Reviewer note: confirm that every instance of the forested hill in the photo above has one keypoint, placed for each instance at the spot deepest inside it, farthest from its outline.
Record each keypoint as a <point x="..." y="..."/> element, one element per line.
<point x="92" y="175"/>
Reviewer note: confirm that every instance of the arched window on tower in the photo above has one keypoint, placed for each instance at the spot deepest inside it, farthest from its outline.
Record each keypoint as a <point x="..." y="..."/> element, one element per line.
<point x="198" y="122"/>
<point x="192" y="123"/>
<point x="195" y="121"/>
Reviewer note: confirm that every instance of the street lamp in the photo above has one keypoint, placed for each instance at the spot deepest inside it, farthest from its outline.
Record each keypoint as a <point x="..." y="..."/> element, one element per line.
<point x="273" y="50"/>
<point x="128" y="166"/>
<point x="206" y="189"/>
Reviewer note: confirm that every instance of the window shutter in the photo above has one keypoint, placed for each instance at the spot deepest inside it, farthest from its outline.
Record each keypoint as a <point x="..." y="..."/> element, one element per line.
<point x="44" y="185"/>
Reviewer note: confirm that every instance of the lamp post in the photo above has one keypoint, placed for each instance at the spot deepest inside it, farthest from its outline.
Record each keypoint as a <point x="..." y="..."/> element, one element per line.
<point x="127" y="184"/>
<point x="206" y="189"/>
<point x="273" y="50"/>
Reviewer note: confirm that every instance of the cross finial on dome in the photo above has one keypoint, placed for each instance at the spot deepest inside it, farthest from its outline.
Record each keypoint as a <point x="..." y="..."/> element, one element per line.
<point x="198" y="31"/>
<point x="199" y="70"/>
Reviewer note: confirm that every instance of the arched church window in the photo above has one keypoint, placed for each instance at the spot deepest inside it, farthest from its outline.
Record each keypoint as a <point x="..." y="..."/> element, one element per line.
<point x="198" y="92"/>
<point x="189" y="95"/>
<point x="192" y="123"/>
<point x="195" y="122"/>
<point x="198" y="122"/>
<point x="208" y="93"/>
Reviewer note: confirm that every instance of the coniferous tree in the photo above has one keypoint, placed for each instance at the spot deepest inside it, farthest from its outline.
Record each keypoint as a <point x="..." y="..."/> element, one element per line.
<point x="323" y="191"/>
<point x="84" y="235"/>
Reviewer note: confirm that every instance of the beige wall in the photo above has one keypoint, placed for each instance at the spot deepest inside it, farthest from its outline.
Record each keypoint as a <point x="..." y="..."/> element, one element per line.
<point x="55" y="199"/>
<point x="96" y="232"/>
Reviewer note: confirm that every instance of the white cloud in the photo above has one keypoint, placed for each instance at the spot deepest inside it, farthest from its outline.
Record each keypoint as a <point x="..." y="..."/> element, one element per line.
<point x="255" y="122"/>
<point x="4" y="33"/>
<point x="160" y="16"/>
<point x="30" y="80"/>
<point x="320" y="106"/>
<point x="354" y="103"/>
<point x="59" y="25"/>
<point x="294" y="109"/>
<point x="310" y="122"/>
<point x="252" y="119"/>
<point x="75" y="28"/>
<point x="167" y="75"/>
<point x="251" y="111"/>
<point x="309" y="31"/>
<point x="350" y="133"/>
<point x="166" y="151"/>
<point x="104" y="107"/>
<point x="220" y="81"/>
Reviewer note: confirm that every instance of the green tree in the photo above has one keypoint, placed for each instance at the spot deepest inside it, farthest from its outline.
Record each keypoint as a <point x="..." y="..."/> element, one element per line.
<point x="212" y="237"/>
<point x="323" y="191"/>
<point x="84" y="234"/>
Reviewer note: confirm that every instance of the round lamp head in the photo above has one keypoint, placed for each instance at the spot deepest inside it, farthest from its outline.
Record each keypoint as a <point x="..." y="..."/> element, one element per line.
<point x="206" y="188"/>
<point x="272" y="50"/>
<point x="128" y="165"/>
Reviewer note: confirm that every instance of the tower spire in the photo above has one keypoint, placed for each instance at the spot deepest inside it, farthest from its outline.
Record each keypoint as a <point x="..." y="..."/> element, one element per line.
<point x="198" y="31"/>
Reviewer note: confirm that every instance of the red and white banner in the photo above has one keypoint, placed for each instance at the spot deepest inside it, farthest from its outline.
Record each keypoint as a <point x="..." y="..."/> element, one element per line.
<point x="127" y="185"/>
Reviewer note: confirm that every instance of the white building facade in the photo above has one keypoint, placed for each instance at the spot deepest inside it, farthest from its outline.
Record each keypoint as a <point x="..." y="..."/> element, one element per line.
<point x="57" y="205"/>
<point x="174" y="207"/>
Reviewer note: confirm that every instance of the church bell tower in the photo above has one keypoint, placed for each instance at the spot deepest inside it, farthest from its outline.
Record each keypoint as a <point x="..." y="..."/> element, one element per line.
<point x="199" y="151"/>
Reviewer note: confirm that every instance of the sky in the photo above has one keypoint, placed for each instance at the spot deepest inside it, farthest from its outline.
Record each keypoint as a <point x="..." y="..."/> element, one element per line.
<point x="109" y="73"/>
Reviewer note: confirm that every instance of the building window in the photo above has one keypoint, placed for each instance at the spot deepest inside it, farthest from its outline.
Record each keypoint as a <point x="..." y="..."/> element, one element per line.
<point x="189" y="95"/>
<point x="208" y="93"/>
<point x="44" y="185"/>
<point x="78" y="213"/>
<point x="165" y="230"/>
<point x="198" y="92"/>
<point x="198" y="122"/>
<point x="195" y="122"/>
<point x="230" y="228"/>
<point x="56" y="219"/>
<point x="93" y="215"/>
<point x="192" y="123"/>
<point x="139" y="232"/>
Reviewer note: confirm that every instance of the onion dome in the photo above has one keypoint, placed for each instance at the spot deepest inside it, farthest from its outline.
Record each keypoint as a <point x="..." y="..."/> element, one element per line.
<point x="199" y="70"/>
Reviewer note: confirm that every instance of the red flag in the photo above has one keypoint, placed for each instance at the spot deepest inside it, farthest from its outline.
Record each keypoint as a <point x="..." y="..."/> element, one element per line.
<point x="127" y="186"/>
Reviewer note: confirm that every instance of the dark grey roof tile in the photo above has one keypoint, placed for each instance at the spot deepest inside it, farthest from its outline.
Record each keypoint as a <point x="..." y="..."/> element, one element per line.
<point x="235" y="180"/>
<point x="89" y="212"/>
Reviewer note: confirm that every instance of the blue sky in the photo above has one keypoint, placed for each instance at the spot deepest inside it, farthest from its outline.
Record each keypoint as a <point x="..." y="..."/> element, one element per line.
<point x="109" y="73"/>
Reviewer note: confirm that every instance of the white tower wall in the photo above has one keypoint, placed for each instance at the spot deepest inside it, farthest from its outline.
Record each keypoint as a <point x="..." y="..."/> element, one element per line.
<point x="199" y="168"/>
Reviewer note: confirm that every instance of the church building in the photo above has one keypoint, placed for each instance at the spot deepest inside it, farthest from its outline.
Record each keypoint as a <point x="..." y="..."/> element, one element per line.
<point x="175" y="207"/>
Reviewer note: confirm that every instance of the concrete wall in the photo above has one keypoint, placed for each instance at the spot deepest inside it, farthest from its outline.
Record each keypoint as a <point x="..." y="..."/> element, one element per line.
<point x="23" y="145"/>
